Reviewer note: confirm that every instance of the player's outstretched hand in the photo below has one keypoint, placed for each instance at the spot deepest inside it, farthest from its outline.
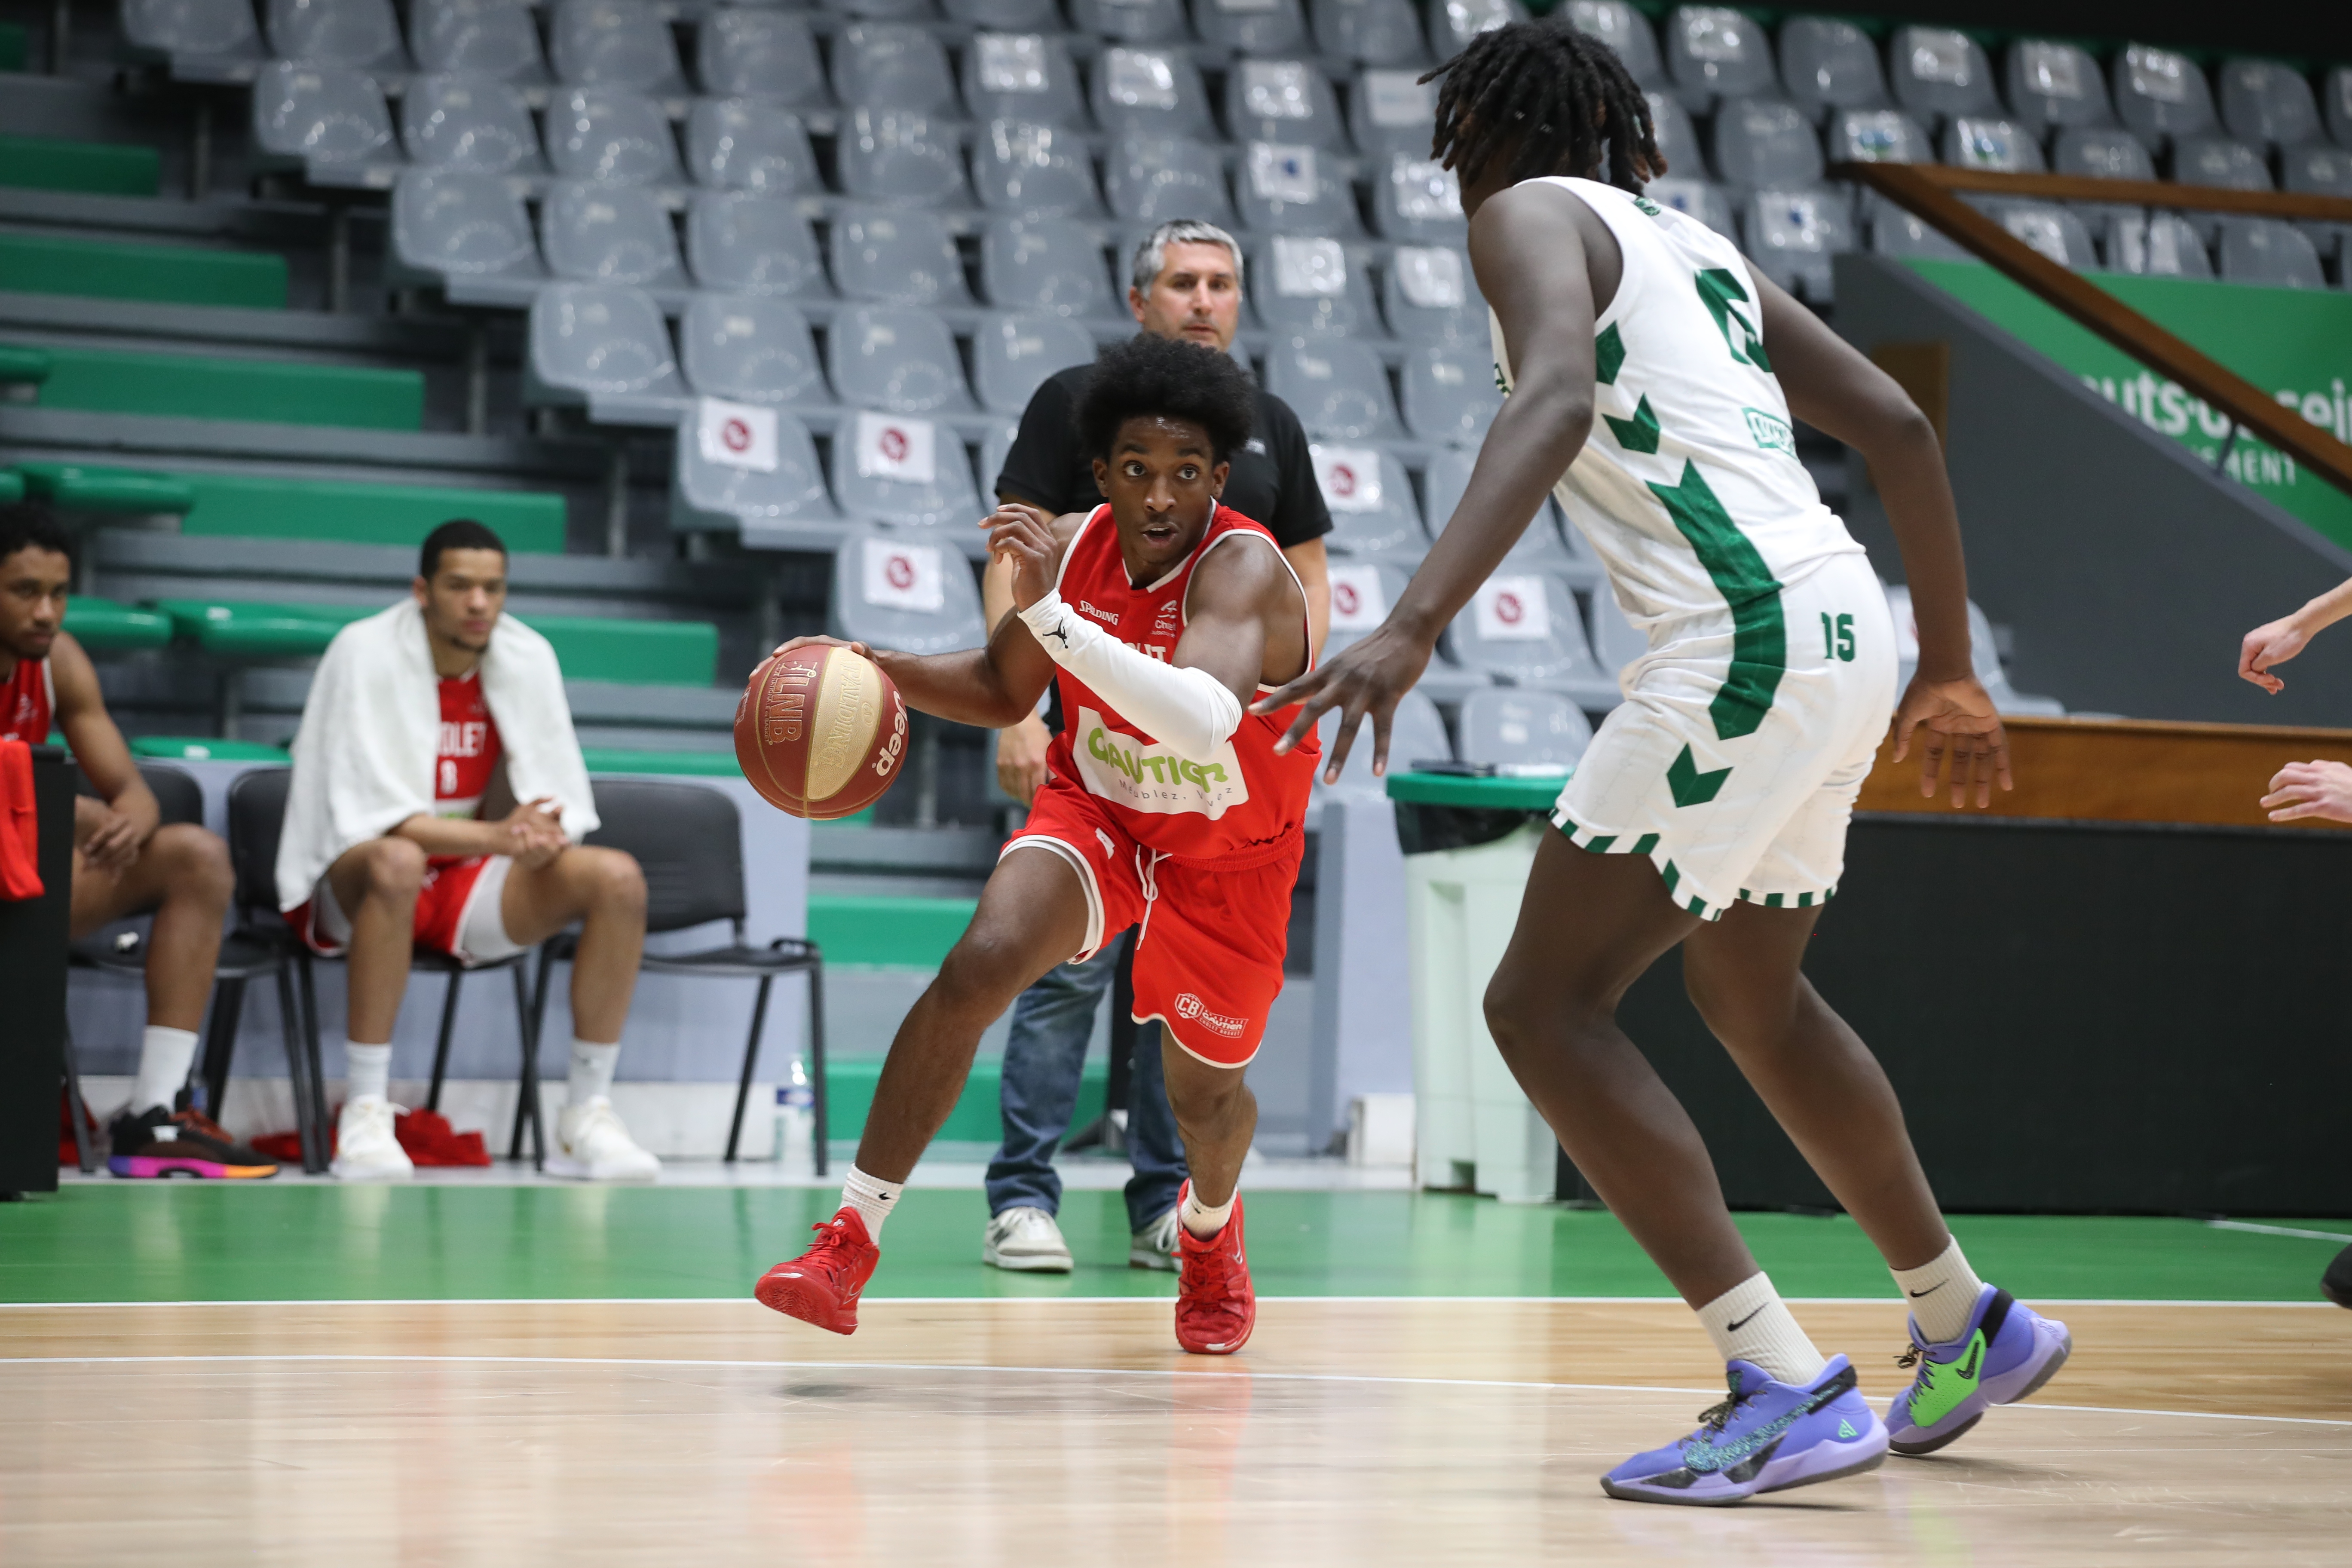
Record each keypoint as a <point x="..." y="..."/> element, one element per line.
<point x="2267" y="645"/>
<point x="1956" y="719"/>
<point x="1024" y="536"/>
<point x="859" y="649"/>
<point x="1366" y="678"/>
<point x="2304" y="791"/>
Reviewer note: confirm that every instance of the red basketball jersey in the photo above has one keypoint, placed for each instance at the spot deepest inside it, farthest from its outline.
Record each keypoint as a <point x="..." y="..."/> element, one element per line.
<point x="27" y="703"/>
<point x="469" y="751"/>
<point x="1241" y="799"/>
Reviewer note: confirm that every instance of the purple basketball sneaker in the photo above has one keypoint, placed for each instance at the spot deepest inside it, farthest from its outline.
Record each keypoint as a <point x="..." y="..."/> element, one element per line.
<point x="1765" y="1438"/>
<point x="2006" y="1352"/>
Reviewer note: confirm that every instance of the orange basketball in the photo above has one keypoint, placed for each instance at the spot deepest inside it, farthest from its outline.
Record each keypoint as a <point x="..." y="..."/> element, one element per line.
<point x="820" y="732"/>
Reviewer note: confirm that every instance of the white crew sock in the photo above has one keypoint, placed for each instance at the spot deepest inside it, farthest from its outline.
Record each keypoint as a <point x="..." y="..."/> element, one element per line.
<point x="1750" y="1322"/>
<point x="1941" y="1294"/>
<point x="165" y="1055"/>
<point x="369" y="1073"/>
<point x="1200" y="1218"/>
<point x="591" y="1070"/>
<point x="872" y="1197"/>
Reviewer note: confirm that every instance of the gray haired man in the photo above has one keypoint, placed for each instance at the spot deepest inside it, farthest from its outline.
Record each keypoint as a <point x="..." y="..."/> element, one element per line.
<point x="1187" y="283"/>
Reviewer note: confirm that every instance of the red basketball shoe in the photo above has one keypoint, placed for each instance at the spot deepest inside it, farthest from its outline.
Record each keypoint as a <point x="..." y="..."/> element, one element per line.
<point x="1215" y="1306"/>
<point x="820" y="1286"/>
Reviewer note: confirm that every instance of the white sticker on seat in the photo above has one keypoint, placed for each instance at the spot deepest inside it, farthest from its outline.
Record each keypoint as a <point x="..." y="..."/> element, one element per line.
<point x="1349" y="477"/>
<point x="1276" y="90"/>
<point x="1308" y="268"/>
<point x="1512" y="609"/>
<point x="1357" y="605"/>
<point x="893" y="447"/>
<point x="1279" y="172"/>
<point x="1426" y="190"/>
<point x="1138" y="78"/>
<point x="904" y="576"/>
<point x="736" y="435"/>
<point x="1012" y="62"/>
<point x="1431" y="277"/>
<point x="1399" y="99"/>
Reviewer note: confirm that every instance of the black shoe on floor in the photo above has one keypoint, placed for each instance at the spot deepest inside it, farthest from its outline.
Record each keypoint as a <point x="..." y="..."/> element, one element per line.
<point x="160" y="1143"/>
<point x="2337" y="1283"/>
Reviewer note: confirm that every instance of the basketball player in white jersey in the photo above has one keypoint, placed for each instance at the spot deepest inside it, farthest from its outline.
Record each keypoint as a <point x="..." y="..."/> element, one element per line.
<point x="1652" y="376"/>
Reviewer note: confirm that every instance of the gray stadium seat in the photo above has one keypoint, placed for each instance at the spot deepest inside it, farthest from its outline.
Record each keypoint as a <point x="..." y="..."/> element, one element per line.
<point x="1893" y="232"/>
<point x="1416" y="734"/>
<point x="762" y="53"/>
<point x="468" y="124"/>
<point x="1391" y="113"/>
<point x="1132" y="21"/>
<point x="740" y="242"/>
<point x="2161" y="94"/>
<point x="1370" y="32"/>
<point x="1012" y="355"/>
<point x="1024" y="77"/>
<point x="1050" y="266"/>
<point x="609" y="234"/>
<point x="475" y="37"/>
<point x="2264" y="250"/>
<point x="897" y="256"/>
<point x="883" y="10"/>
<point x="2218" y="161"/>
<point x="1762" y="142"/>
<point x="2163" y="246"/>
<point x="1715" y="52"/>
<point x="749" y="348"/>
<point x="2046" y="228"/>
<point x="614" y="43"/>
<point x="1449" y="392"/>
<point x="788" y="508"/>
<point x="1154" y="179"/>
<point x="1877" y="136"/>
<point x="1793" y="235"/>
<point x="1288" y="102"/>
<point x="1523" y="628"/>
<point x="1262" y="28"/>
<point x="1940" y="73"/>
<point x="461" y="225"/>
<point x="1828" y="65"/>
<point x="2336" y="105"/>
<point x="1284" y="188"/>
<point x="322" y="116"/>
<point x="1038" y="171"/>
<point x="1523" y="733"/>
<point x="1616" y="641"/>
<point x="1452" y="24"/>
<point x="1307" y="286"/>
<point x="1005" y="15"/>
<point x="1418" y="199"/>
<point x="868" y="489"/>
<point x="870" y="604"/>
<point x="749" y="144"/>
<point x="1362" y="592"/>
<point x="1702" y="199"/>
<point x="1370" y="496"/>
<point x="900" y="157"/>
<point x="897" y="358"/>
<point x="361" y="35"/>
<point x="2054" y="85"/>
<point x="592" y="339"/>
<point x="612" y="134"/>
<point x="188" y="30"/>
<point x="1623" y="29"/>
<point x="994" y="447"/>
<point x="1150" y="92"/>
<point x="2002" y="145"/>
<point x="1429" y="296"/>
<point x="1983" y="656"/>
<point x="1678" y="138"/>
<point x="1338" y="387"/>
<point x="2102" y="152"/>
<point x="2316" y="169"/>
<point x="893" y="64"/>
<point x="1542" y="548"/>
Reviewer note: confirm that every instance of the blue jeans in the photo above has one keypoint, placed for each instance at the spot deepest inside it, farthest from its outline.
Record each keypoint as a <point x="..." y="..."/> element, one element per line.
<point x="1042" y="1061"/>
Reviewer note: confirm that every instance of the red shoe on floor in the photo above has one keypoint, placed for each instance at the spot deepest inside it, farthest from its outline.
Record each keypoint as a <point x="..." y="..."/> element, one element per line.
<point x="1215" y="1306"/>
<point x="820" y="1286"/>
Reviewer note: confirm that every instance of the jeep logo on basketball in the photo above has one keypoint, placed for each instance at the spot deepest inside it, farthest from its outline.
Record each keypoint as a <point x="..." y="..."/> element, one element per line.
<point x="1190" y="1008"/>
<point x="898" y="746"/>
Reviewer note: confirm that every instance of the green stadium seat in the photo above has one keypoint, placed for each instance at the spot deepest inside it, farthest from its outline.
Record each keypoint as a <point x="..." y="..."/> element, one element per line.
<point x="196" y="387"/>
<point x="167" y="274"/>
<point x="691" y="764"/>
<point x="104" y="626"/>
<point x="72" y="486"/>
<point x="24" y="366"/>
<point x="267" y="507"/>
<point x="94" y="168"/>
<point x="231" y="630"/>
<point x="207" y="749"/>
<point x="887" y="933"/>
<point x="12" y="487"/>
<point x="12" y="46"/>
<point x="632" y="653"/>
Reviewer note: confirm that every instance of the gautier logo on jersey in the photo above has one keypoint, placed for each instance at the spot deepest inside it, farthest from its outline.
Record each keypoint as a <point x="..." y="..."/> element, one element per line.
<point x="1145" y="775"/>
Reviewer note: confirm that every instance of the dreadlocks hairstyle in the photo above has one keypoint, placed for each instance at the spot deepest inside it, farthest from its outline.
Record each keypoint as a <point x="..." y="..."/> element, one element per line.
<point x="1554" y="99"/>
<point x="1147" y="375"/>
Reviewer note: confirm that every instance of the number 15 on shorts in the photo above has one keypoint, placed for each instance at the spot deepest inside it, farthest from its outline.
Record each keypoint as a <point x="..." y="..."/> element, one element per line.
<point x="1837" y="637"/>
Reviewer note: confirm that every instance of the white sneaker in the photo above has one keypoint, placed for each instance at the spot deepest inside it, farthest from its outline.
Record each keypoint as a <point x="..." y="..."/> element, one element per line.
<point x="1025" y="1239"/>
<point x="1154" y="1247"/>
<point x="592" y="1145"/>
<point x="365" y="1149"/>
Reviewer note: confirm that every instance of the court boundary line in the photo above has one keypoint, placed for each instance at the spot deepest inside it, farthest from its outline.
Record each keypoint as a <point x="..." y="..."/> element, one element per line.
<point x="335" y="1358"/>
<point x="2252" y="1229"/>
<point x="949" y="1301"/>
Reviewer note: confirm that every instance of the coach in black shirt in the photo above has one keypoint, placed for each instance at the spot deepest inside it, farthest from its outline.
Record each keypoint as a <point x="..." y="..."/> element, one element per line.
<point x="1187" y="284"/>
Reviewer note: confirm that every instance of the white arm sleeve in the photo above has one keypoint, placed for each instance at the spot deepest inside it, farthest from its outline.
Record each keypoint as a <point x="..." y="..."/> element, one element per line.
<point x="1189" y="709"/>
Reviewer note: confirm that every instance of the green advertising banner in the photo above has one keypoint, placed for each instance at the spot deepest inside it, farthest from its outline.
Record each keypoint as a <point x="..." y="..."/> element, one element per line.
<point x="2292" y="342"/>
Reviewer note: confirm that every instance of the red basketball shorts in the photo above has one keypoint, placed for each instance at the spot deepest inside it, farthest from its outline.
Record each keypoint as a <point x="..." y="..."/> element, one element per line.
<point x="458" y="913"/>
<point x="1208" y="964"/>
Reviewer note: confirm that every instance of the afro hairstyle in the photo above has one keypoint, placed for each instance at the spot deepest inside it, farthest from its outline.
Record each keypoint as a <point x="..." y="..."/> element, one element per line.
<point x="1149" y="376"/>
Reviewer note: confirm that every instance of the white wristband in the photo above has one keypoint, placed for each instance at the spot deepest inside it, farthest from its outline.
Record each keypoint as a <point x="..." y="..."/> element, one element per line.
<point x="1189" y="709"/>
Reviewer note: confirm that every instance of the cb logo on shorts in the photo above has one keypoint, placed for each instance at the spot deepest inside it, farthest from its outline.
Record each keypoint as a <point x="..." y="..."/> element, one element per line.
<point x="1190" y="1007"/>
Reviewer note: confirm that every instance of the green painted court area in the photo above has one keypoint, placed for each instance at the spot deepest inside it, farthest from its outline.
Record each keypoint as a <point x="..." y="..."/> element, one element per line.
<point x="171" y="1242"/>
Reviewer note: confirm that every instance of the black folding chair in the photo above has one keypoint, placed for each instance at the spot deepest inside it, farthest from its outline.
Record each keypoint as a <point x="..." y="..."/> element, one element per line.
<point x="257" y="811"/>
<point x="119" y="947"/>
<point x="687" y="840"/>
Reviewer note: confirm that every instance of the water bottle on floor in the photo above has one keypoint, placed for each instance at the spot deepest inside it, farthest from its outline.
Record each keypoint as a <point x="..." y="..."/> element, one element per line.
<point x="796" y="1121"/>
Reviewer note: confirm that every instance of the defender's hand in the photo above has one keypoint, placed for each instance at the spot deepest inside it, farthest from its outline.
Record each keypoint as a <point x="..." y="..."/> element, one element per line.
<point x="2267" y="645"/>
<point x="1956" y="720"/>
<point x="1366" y="678"/>
<point x="1021" y="758"/>
<point x="859" y="649"/>
<point x="1024" y="536"/>
<point x="2305" y="791"/>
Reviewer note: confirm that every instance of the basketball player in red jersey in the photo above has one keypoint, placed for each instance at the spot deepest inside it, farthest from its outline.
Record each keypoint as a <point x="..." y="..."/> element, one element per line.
<point x="123" y="863"/>
<point x="1162" y="615"/>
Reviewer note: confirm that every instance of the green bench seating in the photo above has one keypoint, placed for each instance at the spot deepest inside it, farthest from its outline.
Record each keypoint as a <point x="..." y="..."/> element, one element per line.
<point x="104" y="626"/>
<point x="22" y="366"/>
<point x="165" y="274"/>
<point x="74" y="487"/>
<point x="238" y="631"/>
<point x="256" y="506"/>
<point x="206" y="748"/>
<point x="631" y="653"/>
<point x="887" y="933"/>
<point x="12" y="487"/>
<point x="197" y="387"/>
<point x="12" y="46"/>
<point x="95" y="168"/>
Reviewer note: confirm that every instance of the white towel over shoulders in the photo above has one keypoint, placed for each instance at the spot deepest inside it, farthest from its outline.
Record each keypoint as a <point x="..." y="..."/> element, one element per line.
<point x="364" y="757"/>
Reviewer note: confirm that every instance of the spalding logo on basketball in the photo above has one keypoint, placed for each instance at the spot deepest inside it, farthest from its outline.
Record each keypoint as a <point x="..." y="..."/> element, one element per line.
<point x="820" y="732"/>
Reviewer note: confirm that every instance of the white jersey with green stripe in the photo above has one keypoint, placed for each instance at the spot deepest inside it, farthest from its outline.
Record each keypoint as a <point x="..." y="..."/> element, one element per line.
<point x="1689" y="487"/>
